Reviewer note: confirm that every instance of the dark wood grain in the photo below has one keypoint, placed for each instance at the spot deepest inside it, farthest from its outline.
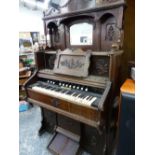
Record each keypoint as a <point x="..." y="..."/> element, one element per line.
<point x="91" y="124"/>
<point x="107" y="28"/>
<point x="67" y="114"/>
<point x="78" y="110"/>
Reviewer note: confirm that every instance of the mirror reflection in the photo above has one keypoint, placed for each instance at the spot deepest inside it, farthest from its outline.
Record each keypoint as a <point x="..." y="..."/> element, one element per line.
<point x="81" y="34"/>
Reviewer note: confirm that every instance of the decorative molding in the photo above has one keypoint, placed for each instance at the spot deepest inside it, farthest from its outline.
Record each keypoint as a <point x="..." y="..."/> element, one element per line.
<point x="113" y="33"/>
<point x="110" y="31"/>
<point x="72" y="64"/>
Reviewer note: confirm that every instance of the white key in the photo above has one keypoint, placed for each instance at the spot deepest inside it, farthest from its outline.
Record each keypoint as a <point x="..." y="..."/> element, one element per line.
<point x="64" y="95"/>
<point x="77" y="99"/>
<point x="91" y="101"/>
<point x="72" y="98"/>
<point x="84" y="101"/>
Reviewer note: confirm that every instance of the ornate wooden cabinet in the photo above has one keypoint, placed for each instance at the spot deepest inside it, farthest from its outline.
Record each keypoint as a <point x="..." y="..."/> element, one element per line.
<point x="77" y="73"/>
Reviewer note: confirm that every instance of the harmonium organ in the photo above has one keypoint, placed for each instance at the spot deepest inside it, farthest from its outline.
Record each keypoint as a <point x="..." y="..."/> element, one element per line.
<point x="77" y="74"/>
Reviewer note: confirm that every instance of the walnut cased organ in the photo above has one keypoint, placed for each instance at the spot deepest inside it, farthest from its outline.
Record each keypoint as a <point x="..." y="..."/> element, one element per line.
<point x="77" y="74"/>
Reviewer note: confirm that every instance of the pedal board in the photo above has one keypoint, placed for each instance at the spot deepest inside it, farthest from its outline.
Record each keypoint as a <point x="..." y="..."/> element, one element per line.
<point x="62" y="144"/>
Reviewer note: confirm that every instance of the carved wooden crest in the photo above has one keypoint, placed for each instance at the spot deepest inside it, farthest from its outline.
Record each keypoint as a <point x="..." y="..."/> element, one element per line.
<point x="72" y="62"/>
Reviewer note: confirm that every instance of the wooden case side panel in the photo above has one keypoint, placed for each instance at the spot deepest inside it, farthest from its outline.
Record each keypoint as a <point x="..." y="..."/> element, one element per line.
<point x="40" y="60"/>
<point x="115" y="73"/>
<point x="92" y="141"/>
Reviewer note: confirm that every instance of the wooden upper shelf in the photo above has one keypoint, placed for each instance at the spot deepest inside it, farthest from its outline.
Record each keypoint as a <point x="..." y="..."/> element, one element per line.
<point x="72" y="8"/>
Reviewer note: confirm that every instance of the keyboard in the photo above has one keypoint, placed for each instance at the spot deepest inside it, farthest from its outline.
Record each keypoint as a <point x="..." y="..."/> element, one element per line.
<point x="77" y="94"/>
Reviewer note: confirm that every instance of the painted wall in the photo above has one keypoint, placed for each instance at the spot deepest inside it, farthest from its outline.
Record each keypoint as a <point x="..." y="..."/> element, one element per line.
<point x="30" y="20"/>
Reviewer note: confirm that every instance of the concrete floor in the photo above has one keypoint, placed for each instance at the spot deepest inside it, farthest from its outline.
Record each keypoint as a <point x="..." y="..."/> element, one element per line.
<point x="29" y="141"/>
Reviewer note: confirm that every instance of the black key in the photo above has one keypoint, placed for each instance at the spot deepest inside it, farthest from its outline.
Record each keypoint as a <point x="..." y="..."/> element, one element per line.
<point x="83" y="96"/>
<point x="63" y="91"/>
<point x="87" y="97"/>
<point x="76" y="94"/>
<point x="57" y="89"/>
<point x="43" y="86"/>
<point x="48" y="87"/>
<point x="73" y="92"/>
<point x="53" y="89"/>
<point x="80" y="96"/>
<point x="91" y="97"/>
<point x="69" y="92"/>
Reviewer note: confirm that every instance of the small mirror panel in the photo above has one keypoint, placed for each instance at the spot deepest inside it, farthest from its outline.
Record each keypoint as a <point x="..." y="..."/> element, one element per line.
<point x="81" y="34"/>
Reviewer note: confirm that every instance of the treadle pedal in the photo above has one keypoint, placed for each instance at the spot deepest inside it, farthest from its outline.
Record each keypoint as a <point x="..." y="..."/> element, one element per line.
<point x="69" y="134"/>
<point x="63" y="145"/>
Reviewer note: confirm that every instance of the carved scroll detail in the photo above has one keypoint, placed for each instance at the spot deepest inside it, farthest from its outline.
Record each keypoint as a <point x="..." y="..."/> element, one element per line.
<point x="72" y="64"/>
<point x="110" y="32"/>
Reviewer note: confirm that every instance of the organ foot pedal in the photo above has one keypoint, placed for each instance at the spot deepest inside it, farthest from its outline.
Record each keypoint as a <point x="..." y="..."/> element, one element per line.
<point x="64" y="142"/>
